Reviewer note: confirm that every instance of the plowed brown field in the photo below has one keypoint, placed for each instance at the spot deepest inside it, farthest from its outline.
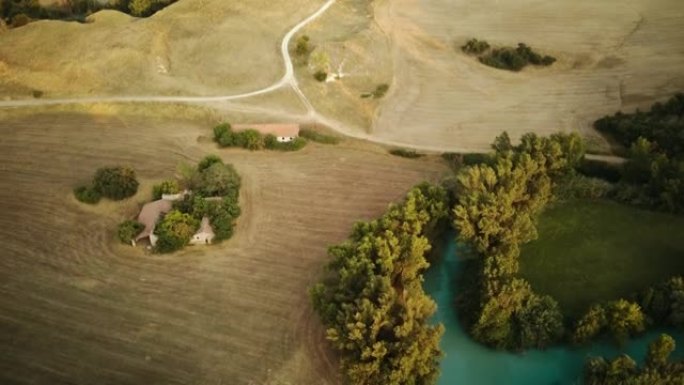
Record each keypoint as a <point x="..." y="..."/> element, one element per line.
<point x="78" y="308"/>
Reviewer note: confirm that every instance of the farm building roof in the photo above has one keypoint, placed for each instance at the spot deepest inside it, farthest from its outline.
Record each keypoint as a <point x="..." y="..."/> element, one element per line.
<point x="149" y="215"/>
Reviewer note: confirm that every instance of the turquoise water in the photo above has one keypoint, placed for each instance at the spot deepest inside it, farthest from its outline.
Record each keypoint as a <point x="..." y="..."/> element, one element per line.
<point x="467" y="363"/>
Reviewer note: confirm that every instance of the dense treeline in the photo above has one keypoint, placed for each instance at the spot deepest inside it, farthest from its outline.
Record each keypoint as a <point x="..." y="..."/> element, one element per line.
<point x="657" y="369"/>
<point x="371" y="299"/>
<point x="653" y="176"/>
<point x="17" y="13"/>
<point x="494" y="214"/>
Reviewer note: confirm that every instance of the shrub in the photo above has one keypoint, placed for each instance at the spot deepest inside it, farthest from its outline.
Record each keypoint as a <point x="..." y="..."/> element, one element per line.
<point x="20" y="20"/>
<point x="128" y="230"/>
<point x="272" y="143"/>
<point x="577" y="186"/>
<point x="303" y="48"/>
<point x="380" y="91"/>
<point x="318" y="137"/>
<point x="321" y="76"/>
<point x="475" y="47"/>
<point x="37" y="94"/>
<point x="87" y="194"/>
<point x="404" y="153"/>
<point x="250" y="139"/>
<point x="115" y="183"/>
<point x="165" y="187"/>
<point x="221" y="130"/>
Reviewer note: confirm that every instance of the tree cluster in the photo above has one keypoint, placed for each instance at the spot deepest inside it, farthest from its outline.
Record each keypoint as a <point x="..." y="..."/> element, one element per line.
<point x="494" y="214"/>
<point x="116" y="183"/>
<point x="658" y="368"/>
<point x="621" y="318"/>
<point x="253" y="140"/>
<point x="653" y="176"/>
<point x="17" y="13"/>
<point x="664" y="303"/>
<point x="508" y="58"/>
<point x="215" y="188"/>
<point x="371" y="298"/>
<point x="215" y="192"/>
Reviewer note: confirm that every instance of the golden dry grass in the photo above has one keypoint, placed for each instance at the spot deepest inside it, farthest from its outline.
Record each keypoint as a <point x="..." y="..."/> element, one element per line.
<point x="612" y="55"/>
<point x="193" y="47"/>
<point x="78" y="308"/>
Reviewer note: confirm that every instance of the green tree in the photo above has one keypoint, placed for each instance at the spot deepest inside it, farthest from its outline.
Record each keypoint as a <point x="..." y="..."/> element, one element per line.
<point x="115" y="183"/>
<point x="87" y="194"/>
<point x="303" y="47"/>
<point x="165" y="187"/>
<point x="592" y="323"/>
<point x="659" y="351"/>
<point x="539" y="322"/>
<point x="175" y="231"/>
<point x="128" y="230"/>
<point x="372" y="301"/>
<point x="208" y="161"/>
<point x="218" y="180"/>
<point x="625" y="319"/>
<point x="251" y="140"/>
<point x="623" y="370"/>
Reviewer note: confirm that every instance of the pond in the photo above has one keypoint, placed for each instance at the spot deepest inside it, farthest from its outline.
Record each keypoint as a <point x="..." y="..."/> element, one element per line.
<point x="467" y="362"/>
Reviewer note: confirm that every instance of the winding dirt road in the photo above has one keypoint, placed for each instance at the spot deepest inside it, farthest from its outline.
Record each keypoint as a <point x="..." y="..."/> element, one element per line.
<point x="288" y="80"/>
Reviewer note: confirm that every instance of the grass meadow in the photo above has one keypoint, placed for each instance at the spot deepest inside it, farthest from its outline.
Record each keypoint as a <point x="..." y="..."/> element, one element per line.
<point x="597" y="251"/>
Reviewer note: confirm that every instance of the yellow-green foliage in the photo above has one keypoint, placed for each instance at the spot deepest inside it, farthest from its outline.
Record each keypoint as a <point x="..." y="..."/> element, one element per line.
<point x="494" y="214"/>
<point x="372" y="301"/>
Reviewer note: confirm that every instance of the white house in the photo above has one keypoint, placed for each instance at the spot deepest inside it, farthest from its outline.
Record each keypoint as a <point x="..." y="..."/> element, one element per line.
<point x="205" y="234"/>
<point x="283" y="132"/>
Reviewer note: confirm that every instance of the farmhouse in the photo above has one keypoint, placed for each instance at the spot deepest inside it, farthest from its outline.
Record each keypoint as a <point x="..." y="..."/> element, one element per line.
<point x="205" y="234"/>
<point x="152" y="211"/>
<point x="149" y="215"/>
<point x="283" y="132"/>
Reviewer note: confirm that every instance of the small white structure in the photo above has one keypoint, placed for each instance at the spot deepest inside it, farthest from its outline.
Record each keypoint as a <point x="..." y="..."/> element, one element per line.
<point x="205" y="234"/>
<point x="175" y="197"/>
<point x="283" y="132"/>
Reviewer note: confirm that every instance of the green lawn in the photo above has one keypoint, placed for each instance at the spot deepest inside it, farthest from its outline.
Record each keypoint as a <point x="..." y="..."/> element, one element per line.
<point x="595" y="251"/>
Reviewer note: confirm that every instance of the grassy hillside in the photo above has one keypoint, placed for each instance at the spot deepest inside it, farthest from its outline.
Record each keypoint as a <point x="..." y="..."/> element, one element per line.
<point x="594" y="251"/>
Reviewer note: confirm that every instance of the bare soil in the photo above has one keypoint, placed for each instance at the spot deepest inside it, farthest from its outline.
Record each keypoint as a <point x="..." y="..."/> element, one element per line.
<point x="76" y="307"/>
